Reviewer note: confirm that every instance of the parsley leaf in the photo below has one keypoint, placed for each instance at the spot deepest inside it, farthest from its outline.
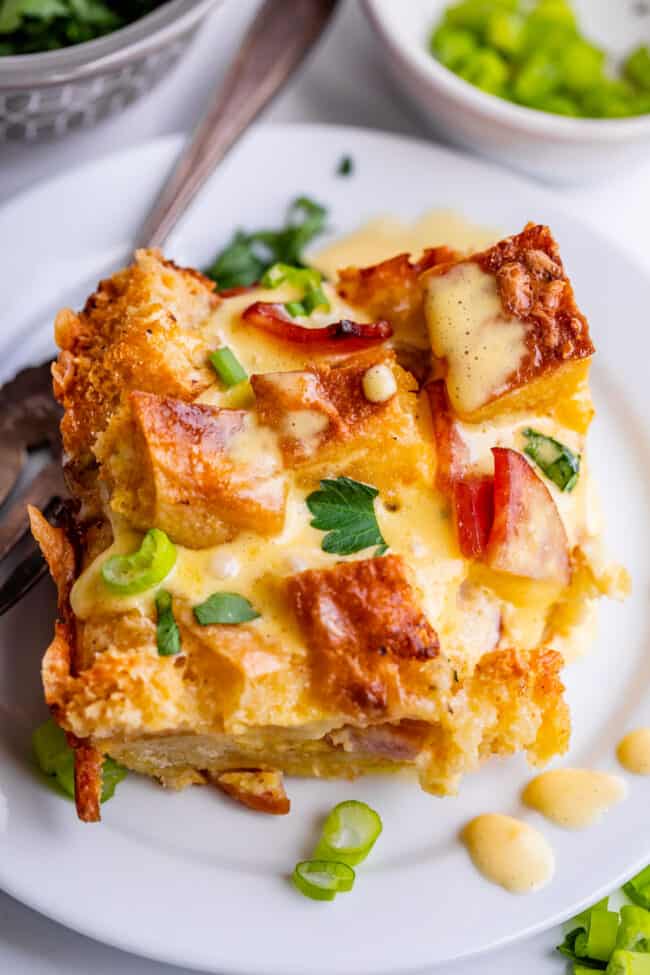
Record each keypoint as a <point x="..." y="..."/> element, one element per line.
<point x="225" y="607"/>
<point x="168" y="637"/>
<point x="249" y="255"/>
<point x="345" y="509"/>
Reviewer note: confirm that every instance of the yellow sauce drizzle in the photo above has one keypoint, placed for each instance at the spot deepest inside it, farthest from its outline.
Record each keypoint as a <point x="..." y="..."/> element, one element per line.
<point x="509" y="852"/>
<point x="633" y="751"/>
<point x="573" y="797"/>
<point x="469" y="329"/>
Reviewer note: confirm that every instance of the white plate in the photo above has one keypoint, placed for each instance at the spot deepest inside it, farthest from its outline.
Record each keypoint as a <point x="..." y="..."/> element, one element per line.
<point x="190" y="877"/>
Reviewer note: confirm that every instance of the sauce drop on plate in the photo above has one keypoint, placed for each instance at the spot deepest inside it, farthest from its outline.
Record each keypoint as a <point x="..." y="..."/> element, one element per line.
<point x="633" y="751"/>
<point x="573" y="797"/>
<point x="509" y="852"/>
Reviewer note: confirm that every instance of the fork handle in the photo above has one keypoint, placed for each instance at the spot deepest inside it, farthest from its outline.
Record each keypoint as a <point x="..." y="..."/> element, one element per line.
<point x="281" y="35"/>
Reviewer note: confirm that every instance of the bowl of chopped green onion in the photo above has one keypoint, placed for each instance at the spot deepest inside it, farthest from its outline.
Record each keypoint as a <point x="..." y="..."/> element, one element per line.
<point x="560" y="89"/>
<point x="65" y="64"/>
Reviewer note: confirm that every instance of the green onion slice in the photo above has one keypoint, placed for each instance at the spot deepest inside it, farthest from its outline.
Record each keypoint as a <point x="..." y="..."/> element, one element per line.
<point x="628" y="963"/>
<point x="227" y="366"/>
<point x="168" y="638"/>
<point x="322" y="880"/>
<point x="126" y="575"/>
<point x="598" y="940"/>
<point x="349" y="833"/>
<point x="638" y="888"/>
<point x="225" y="607"/>
<point x="634" y="931"/>
<point x="308" y="280"/>
<point x="560" y="464"/>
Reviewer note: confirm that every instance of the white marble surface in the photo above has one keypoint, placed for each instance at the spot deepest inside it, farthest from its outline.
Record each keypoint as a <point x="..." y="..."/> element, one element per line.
<point x="343" y="82"/>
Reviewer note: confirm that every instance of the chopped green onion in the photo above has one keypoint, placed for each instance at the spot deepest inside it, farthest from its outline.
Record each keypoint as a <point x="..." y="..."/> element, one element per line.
<point x="628" y="963"/>
<point x="638" y="888"/>
<point x="506" y="31"/>
<point x="580" y="969"/>
<point x="308" y="280"/>
<point x="598" y="940"/>
<point x="349" y="833"/>
<point x="345" y="166"/>
<point x="225" y="607"/>
<point x="560" y="464"/>
<point x="168" y="638"/>
<point x="637" y="67"/>
<point x="227" y="366"/>
<point x="453" y="46"/>
<point x="582" y="67"/>
<point x="634" y="932"/>
<point x="578" y="926"/>
<point x="322" y="880"/>
<point x="486" y="70"/>
<point x="127" y="575"/>
<point x="56" y="758"/>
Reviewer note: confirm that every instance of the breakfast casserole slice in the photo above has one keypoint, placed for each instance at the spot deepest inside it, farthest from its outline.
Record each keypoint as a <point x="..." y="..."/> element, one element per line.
<point x="323" y="529"/>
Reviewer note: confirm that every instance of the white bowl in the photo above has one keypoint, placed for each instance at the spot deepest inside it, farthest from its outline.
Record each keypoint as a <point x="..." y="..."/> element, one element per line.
<point x="553" y="147"/>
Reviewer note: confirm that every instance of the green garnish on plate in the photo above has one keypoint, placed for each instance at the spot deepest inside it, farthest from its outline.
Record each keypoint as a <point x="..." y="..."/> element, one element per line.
<point x="349" y="834"/>
<point x="615" y="942"/>
<point x="56" y="758"/>
<point x="345" y="509"/>
<point x="345" y="166"/>
<point x="245" y="259"/>
<point x="536" y="56"/>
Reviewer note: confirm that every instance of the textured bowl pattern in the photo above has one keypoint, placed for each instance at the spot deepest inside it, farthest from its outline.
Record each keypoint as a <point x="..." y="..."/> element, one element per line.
<point x="58" y="97"/>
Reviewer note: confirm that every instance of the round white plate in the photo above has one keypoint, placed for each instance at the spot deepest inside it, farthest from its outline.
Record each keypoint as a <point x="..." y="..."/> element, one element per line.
<point x="190" y="877"/>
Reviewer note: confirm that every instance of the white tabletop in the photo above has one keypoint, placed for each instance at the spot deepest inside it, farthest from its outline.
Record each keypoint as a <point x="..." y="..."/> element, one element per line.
<point x="343" y="82"/>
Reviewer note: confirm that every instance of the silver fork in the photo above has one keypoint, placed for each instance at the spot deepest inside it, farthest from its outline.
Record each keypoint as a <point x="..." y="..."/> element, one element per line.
<point x="277" y="41"/>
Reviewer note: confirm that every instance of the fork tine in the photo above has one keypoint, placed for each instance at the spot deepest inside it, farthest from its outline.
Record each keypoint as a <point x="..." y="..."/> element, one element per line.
<point x="45" y="487"/>
<point x="22" y="579"/>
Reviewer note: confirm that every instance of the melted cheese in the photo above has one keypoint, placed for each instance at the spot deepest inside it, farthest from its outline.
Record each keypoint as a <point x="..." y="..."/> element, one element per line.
<point x="384" y="237"/>
<point x="573" y="797"/>
<point x="468" y="328"/>
<point x="254" y="566"/>
<point x="509" y="852"/>
<point x="633" y="751"/>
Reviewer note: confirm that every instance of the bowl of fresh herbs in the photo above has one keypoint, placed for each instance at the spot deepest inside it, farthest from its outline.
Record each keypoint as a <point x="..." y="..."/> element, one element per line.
<point x="64" y="64"/>
<point x="560" y="88"/>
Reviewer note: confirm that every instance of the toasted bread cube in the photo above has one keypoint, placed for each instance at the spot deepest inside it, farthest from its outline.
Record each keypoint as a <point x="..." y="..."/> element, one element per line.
<point x="506" y="326"/>
<point x="368" y="637"/>
<point x="325" y="421"/>
<point x="181" y="467"/>
<point x="394" y="290"/>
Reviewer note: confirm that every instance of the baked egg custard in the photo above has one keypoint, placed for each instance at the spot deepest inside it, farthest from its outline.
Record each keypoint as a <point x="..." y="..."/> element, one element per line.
<point x="323" y="528"/>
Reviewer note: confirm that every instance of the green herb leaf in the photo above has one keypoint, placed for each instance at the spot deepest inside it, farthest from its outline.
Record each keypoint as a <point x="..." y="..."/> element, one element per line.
<point x="248" y="255"/>
<point x="560" y="464"/>
<point x="225" y="607"/>
<point x="345" y="166"/>
<point x="56" y="758"/>
<point x="168" y="637"/>
<point x="345" y="510"/>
